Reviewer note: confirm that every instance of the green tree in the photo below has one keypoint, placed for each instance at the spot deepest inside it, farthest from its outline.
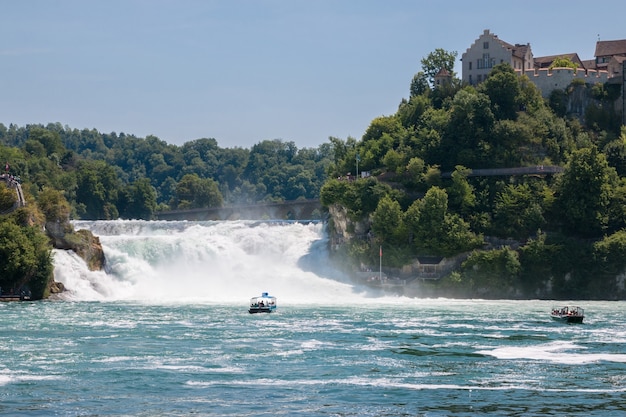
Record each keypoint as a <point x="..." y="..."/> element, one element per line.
<point x="360" y="197"/>
<point x="558" y="102"/>
<point x="530" y="98"/>
<point x="563" y="62"/>
<point x="461" y="193"/>
<point x="503" y="89"/>
<point x="553" y="133"/>
<point x="512" y="144"/>
<point x="35" y="148"/>
<point x="8" y="197"/>
<point x="97" y="188"/>
<point x="419" y="84"/>
<point x="390" y="125"/>
<point x="615" y="152"/>
<point x="442" y="96"/>
<point x="435" y="61"/>
<point x="195" y="192"/>
<point x="433" y="209"/>
<point x="333" y="191"/>
<point x="50" y="140"/>
<point x="432" y="177"/>
<point x="492" y="272"/>
<point x="54" y="205"/>
<point x="388" y="223"/>
<point x="583" y="193"/>
<point x="25" y="261"/>
<point x="437" y="231"/>
<point x="410" y="112"/>
<point x="465" y="141"/>
<point x="393" y="161"/>
<point x="415" y="170"/>
<point x="617" y="207"/>
<point x="138" y="200"/>
<point x="611" y="252"/>
<point x="537" y="261"/>
<point x="517" y="212"/>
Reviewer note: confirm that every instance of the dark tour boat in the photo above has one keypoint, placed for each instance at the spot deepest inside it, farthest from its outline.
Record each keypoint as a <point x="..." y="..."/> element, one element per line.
<point x="568" y="314"/>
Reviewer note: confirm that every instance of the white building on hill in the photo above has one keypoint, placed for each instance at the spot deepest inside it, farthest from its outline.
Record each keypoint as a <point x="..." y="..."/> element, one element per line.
<point x="488" y="51"/>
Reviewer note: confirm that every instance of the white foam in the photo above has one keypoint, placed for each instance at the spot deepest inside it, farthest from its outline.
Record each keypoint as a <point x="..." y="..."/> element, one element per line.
<point x="5" y="379"/>
<point x="17" y="378"/>
<point x="393" y="383"/>
<point x="557" y="352"/>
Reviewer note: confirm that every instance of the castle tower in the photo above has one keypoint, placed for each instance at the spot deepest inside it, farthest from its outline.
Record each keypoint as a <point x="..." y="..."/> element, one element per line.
<point x="443" y="77"/>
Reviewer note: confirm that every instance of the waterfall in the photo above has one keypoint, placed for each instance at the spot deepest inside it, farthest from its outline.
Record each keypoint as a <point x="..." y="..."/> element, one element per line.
<point x="221" y="262"/>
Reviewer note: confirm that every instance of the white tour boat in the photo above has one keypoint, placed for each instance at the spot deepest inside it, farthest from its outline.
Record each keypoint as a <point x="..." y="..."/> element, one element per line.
<point x="265" y="303"/>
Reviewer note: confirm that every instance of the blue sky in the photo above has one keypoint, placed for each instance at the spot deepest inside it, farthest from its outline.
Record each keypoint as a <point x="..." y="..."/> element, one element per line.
<point x="243" y="71"/>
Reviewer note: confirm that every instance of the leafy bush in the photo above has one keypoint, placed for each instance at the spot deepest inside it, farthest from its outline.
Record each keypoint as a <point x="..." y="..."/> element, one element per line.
<point x="494" y="270"/>
<point x="25" y="259"/>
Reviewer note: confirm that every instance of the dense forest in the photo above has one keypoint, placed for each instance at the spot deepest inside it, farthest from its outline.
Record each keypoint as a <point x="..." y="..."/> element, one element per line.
<point x="110" y="176"/>
<point x="408" y="181"/>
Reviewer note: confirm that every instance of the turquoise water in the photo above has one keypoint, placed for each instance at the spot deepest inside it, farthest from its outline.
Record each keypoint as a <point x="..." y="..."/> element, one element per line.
<point x="386" y="358"/>
<point x="165" y="331"/>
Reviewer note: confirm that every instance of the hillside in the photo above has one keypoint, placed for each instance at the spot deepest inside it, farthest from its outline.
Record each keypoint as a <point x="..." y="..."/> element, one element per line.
<point x="514" y="200"/>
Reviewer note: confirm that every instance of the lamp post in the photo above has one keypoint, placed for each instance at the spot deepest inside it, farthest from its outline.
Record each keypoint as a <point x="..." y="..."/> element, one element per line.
<point x="624" y="92"/>
<point x="358" y="158"/>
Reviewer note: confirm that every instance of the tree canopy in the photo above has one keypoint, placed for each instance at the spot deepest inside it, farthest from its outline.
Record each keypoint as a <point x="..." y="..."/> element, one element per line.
<point x="435" y="61"/>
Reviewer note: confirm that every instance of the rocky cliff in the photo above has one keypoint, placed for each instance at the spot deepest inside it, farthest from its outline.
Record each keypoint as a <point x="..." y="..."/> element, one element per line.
<point x="83" y="242"/>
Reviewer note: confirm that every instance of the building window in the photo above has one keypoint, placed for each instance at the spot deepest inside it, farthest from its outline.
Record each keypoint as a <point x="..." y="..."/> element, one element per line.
<point x="470" y="66"/>
<point x="479" y="78"/>
<point x="470" y="79"/>
<point x="485" y="62"/>
<point x="485" y="45"/>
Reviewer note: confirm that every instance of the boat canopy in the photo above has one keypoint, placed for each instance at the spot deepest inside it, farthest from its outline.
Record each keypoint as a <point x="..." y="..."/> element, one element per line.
<point x="264" y="298"/>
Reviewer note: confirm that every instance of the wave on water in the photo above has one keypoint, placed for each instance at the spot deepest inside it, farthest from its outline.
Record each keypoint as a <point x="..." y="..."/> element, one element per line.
<point x="221" y="262"/>
<point x="556" y="352"/>
<point x="16" y="377"/>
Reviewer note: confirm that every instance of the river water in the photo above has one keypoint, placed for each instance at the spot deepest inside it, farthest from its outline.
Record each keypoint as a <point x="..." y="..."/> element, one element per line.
<point x="165" y="331"/>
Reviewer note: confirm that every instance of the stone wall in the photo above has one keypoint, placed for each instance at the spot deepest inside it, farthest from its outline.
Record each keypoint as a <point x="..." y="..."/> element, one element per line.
<point x="548" y="80"/>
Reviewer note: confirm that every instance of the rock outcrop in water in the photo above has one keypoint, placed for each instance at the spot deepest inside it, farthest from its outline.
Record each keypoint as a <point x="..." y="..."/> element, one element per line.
<point x="83" y="242"/>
